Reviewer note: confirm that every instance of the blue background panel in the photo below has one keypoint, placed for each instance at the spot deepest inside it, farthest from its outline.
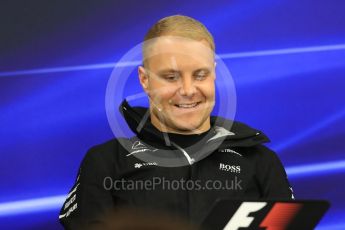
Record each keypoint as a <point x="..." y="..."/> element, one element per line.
<point x="287" y="59"/>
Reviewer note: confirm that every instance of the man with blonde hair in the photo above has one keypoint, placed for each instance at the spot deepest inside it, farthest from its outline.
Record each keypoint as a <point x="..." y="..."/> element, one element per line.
<point x="181" y="159"/>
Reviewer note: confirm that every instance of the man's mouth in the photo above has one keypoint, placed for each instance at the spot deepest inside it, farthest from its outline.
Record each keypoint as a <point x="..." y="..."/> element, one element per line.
<point x="187" y="105"/>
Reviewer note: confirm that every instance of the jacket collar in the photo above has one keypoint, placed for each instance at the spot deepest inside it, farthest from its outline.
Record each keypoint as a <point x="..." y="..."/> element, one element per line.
<point x="240" y="135"/>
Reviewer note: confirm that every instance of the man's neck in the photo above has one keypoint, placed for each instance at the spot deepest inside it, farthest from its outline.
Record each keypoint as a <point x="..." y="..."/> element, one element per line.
<point x="164" y="128"/>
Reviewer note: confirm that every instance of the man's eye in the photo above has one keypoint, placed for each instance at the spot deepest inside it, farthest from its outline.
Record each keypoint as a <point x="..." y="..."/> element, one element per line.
<point x="172" y="77"/>
<point x="201" y="76"/>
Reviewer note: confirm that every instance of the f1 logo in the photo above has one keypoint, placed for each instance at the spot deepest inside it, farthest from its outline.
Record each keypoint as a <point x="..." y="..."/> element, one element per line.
<point x="241" y="219"/>
<point x="277" y="218"/>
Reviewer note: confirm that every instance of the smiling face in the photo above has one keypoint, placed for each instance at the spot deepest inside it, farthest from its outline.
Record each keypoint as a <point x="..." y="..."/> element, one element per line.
<point x="179" y="80"/>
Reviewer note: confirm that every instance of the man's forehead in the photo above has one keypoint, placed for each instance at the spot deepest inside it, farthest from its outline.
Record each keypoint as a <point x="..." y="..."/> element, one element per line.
<point x="179" y="46"/>
<point x="171" y="63"/>
<point x="179" y="53"/>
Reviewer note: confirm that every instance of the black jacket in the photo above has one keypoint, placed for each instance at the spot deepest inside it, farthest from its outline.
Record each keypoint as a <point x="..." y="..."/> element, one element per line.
<point x="180" y="174"/>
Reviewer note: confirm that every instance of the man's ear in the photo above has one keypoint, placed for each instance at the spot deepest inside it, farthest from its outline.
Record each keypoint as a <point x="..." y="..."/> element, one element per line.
<point x="143" y="78"/>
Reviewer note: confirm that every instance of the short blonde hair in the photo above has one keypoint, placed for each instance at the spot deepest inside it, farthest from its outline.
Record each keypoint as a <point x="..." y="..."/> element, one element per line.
<point x="178" y="25"/>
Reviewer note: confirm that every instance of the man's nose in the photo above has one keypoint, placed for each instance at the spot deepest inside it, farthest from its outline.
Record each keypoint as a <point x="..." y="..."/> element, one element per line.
<point x="187" y="87"/>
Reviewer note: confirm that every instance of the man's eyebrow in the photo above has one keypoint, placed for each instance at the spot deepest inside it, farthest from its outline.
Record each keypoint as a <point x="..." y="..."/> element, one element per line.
<point x="171" y="70"/>
<point x="165" y="71"/>
<point x="202" y="69"/>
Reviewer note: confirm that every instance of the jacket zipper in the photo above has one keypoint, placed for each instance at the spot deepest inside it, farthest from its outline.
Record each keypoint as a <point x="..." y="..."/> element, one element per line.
<point x="189" y="159"/>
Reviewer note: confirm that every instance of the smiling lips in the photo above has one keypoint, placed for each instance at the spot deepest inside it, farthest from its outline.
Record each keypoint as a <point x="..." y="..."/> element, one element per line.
<point x="187" y="105"/>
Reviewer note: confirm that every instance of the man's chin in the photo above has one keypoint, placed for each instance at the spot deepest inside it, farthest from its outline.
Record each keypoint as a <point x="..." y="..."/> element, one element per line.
<point x="186" y="127"/>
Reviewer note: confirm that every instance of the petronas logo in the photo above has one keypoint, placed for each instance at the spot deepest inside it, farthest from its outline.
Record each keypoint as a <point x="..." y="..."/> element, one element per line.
<point x="138" y="145"/>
